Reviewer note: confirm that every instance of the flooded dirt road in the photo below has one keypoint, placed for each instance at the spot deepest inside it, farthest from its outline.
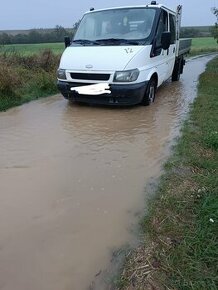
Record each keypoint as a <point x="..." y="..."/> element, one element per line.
<point x="72" y="181"/>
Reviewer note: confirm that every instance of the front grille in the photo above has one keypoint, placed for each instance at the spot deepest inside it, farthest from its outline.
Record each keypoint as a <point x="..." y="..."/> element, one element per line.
<point x="90" y="76"/>
<point x="72" y="85"/>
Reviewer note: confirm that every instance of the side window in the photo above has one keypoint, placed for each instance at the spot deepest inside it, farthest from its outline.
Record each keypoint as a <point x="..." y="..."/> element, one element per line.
<point x="173" y="28"/>
<point x="162" y="26"/>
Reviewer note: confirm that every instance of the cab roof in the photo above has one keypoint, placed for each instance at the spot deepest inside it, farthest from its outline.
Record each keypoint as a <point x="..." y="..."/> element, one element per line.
<point x="159" y="6"/>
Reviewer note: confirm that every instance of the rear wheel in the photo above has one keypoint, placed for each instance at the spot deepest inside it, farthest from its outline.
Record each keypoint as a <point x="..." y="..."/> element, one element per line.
<point x="178" y="68"/>
<point x="150" y="93"/>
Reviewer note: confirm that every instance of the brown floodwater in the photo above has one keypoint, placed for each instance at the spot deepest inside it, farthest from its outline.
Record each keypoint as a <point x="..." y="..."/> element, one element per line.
<point x="72" y="180"/>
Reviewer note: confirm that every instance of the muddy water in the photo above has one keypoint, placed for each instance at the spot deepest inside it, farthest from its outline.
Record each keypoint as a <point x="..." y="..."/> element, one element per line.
<point x="72" y="179"/>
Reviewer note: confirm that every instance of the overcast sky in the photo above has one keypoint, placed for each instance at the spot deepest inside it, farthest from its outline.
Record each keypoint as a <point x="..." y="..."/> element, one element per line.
<point x="26" y="14"/>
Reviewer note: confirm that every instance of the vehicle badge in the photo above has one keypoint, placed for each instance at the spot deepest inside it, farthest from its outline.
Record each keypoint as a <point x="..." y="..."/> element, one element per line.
<point x="89" y="66"/>
<point x="129" y="50"/>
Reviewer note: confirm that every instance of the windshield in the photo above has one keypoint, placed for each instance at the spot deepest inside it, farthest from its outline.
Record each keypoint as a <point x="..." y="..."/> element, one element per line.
<point x="127" y="24"/>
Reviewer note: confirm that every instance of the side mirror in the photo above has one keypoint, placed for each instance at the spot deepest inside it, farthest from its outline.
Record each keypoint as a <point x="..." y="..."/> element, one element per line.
<point x="165" y="39"/>
<point x="67" y="41"/>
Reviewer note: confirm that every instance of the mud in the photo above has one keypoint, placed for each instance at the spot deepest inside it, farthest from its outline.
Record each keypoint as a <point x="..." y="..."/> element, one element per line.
<point x="72" y="181"/>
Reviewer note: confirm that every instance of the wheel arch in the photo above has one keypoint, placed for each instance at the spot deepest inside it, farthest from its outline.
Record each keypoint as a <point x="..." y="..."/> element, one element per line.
<point x="150" y="91"/>
<point x="153" y="75"/>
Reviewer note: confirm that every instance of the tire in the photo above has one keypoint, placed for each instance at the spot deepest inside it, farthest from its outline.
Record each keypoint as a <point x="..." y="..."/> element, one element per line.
<point x="150" y="93"/>
<point x="177" y="70"/>
<point x="65" y="95"/>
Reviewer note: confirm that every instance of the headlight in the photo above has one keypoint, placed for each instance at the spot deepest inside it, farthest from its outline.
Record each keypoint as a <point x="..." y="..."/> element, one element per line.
<point x="61" y="74"/>
<point x="126" y="76"/>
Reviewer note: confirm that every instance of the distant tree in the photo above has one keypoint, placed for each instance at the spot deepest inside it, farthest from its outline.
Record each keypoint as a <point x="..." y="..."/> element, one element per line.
<point x="215" y="28"/>
<point x="20" y="38"/>
<point x="4" y="39"/>
<point x="60" y="32"/>
<point x="75" y="26"/>
<point x="189" y="32"/>
<point x="34" y="36"/>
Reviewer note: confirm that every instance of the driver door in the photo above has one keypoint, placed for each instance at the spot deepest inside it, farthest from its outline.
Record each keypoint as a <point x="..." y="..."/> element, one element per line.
<point x="159" y="55"/>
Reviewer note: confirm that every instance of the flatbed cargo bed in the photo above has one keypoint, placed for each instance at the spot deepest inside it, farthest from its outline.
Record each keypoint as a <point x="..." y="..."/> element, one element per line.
<point x="184" y="46"/>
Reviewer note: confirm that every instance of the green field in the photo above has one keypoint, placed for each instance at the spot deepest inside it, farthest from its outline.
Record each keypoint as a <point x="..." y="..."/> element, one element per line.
<point x="199" y="45"/>
<point x="29" y="49"/>
<point x="203" y="45"/>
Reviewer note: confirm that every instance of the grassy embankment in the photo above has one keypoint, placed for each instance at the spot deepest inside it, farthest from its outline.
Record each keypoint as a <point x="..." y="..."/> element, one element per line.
<point x="24" y="78"/>
<point x="180" y="244"/>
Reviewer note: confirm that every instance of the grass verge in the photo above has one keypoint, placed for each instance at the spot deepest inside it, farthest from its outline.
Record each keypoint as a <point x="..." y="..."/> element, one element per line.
<point x="179" y="250"/>
<point x="24" y="78"/>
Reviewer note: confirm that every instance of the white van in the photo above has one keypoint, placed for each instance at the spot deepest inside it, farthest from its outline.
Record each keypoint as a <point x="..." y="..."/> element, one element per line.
<point x="120" y="56"/>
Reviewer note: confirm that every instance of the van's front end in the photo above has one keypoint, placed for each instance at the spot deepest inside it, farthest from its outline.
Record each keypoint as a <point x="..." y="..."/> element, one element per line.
<point x="110" y="46"/>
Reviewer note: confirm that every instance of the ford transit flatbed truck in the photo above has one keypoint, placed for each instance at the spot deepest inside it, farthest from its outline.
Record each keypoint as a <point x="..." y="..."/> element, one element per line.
<point x="120" y="56"/>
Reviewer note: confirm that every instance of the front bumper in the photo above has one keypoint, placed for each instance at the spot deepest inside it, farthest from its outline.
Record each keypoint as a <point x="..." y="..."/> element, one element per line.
<point x="127" y="94"/>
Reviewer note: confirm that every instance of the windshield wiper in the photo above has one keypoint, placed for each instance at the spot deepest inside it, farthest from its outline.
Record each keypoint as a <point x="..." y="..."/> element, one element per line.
<point x="117" y="41"/>
<point x="102" y="41"/>
<point x="85" y="42"/>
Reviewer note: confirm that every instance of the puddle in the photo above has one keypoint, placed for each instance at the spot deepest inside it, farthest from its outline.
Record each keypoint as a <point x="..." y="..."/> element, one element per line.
<point x="72" y="181"/>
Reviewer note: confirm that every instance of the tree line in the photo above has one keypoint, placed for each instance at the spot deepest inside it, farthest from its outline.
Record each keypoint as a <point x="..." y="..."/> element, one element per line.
<point x="58" y="33"/>
<point x="38" y="36"/>
<point x="192" y="32"/>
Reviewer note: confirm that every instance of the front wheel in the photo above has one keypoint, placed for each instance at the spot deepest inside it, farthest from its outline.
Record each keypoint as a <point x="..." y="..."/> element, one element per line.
<point x="150" y="93"/>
